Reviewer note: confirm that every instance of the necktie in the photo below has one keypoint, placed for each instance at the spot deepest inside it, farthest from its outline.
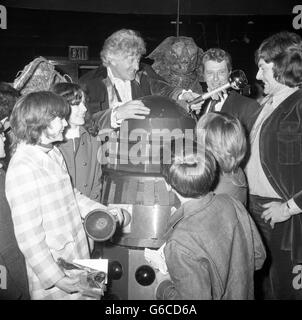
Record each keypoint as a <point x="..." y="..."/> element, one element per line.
<point x="265" y="113"/>
<point x="117" y="94"/>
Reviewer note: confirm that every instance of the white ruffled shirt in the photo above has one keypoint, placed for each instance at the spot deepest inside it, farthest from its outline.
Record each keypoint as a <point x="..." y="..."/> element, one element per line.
<point x="124" y="90"/>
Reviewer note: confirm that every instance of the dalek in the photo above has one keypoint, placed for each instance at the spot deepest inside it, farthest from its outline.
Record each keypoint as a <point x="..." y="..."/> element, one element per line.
<point x="132" y="182"/>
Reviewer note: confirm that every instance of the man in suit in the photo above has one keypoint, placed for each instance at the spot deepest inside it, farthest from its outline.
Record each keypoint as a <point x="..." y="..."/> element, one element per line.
<point x="113" y="88"/>
<point x="216" y="67"/>
<point x="275" y="167"/>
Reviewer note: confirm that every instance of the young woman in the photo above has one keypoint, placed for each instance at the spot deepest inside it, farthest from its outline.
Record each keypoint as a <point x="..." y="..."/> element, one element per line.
<point x="79" y="148"/>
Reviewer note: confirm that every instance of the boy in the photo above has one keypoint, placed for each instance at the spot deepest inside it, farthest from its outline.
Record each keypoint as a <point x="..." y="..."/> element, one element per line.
<point x="213" y="246"/>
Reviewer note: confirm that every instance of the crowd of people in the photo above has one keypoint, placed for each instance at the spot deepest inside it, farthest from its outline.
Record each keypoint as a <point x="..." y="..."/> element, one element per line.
<point x="238" y="230"/>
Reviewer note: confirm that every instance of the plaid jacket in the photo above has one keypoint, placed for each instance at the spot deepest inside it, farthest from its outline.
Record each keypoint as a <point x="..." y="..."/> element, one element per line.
<point x="46" y="212"/>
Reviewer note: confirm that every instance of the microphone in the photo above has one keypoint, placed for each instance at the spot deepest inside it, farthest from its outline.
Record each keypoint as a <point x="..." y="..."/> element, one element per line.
<point x="237" y="80"/>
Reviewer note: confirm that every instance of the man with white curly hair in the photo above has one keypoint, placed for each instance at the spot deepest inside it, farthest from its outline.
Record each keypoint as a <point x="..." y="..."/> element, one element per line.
<point x="114" y="87"/>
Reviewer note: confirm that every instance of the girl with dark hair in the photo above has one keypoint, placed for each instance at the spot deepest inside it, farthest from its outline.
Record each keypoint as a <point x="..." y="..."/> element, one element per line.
<point x="79" y="148"/>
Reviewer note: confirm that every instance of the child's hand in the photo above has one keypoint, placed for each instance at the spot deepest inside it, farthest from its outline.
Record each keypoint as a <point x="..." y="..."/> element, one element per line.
<point x="69" y="285"/>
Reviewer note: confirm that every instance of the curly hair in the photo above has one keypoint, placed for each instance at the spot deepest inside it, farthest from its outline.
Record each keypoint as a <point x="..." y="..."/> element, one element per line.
<point x="71" y="92"/>
<point x="284" y="49"/>
<point x="124" y="42"/>
<point x="74" y="94"/>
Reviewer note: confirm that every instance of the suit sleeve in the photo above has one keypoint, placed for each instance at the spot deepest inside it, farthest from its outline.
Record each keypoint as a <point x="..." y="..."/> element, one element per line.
<point x="23" y="195"/>
<point x="244" y="108"/>
<point x="96" y="92"/>
<point x="159" y="86"/>
<point x="103" y="119"/>
<point x="298" y="199"/>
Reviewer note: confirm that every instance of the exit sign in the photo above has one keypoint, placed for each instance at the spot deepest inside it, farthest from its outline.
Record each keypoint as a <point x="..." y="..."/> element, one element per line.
<point x="78" y="53"/>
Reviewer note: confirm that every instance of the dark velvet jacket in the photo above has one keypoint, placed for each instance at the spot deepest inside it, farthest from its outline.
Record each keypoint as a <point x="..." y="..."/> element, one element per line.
<point x="281" y="159"/>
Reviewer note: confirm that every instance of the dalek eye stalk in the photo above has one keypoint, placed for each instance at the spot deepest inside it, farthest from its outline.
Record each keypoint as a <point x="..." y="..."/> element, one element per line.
<point x="132" y="182"/>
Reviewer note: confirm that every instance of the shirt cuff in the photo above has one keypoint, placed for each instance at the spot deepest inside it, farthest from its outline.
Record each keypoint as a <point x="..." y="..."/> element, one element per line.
<point x="182" y="93"/>
<point x="114" y="122"/>
<point x="292" y="206"/>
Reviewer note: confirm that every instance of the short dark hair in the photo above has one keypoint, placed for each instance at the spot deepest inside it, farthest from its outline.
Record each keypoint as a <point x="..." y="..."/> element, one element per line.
<point x="72" y="92"/>
<point x="8" y="97"/>
<point x="218" y="55"/>
<point x="284" y="49"/>
<point x="191" y="174"/>
<point x="33" y="113"/>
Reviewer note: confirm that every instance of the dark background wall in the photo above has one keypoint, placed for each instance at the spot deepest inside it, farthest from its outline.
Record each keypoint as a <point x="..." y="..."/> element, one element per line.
<point x="32" y="32"/>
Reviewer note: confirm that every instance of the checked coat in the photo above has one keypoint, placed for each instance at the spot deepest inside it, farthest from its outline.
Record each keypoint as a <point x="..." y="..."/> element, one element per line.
<point x="47" y="215"/>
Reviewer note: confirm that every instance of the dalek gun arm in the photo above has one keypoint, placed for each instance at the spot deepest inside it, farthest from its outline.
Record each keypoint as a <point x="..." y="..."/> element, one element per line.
<point x="100" y="225"/>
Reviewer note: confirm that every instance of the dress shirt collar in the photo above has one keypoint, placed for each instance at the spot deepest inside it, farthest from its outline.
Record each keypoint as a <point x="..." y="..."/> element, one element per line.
<point x="123" y="87"/>
<point x="114" y="79"/>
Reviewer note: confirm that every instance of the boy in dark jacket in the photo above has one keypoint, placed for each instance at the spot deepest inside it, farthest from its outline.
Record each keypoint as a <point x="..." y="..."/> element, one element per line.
<point x="213" y="246"/>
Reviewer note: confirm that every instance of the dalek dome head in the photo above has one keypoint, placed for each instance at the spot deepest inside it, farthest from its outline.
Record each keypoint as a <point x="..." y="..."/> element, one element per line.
<point x="165" y="113"/>
<point x="140" y="141"/>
